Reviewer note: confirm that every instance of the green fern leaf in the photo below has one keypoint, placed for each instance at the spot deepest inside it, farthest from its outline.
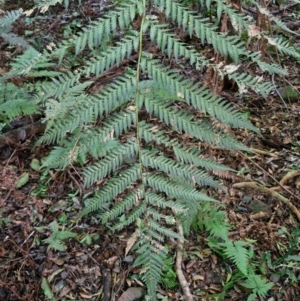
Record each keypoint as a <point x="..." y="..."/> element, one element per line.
<point x="237" y="252"/>
<point x="259" y="286"/>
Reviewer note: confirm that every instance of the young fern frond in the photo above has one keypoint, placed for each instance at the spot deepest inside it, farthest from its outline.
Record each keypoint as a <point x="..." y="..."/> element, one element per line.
<point x="258" y="285"/>
<point x="213" y="220"/>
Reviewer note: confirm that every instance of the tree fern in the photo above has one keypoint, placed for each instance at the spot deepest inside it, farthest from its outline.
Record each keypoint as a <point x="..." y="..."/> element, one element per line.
<point x="143" y="114"/>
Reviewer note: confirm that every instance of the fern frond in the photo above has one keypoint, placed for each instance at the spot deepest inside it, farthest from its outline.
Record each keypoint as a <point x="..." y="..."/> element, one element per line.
<point x="58" y="87"/>
<point x="191" y="156"/>
<point x="74" y="112"/>
<point x="114" y="55"/>
<point x="167" y="42"/>
<point x="258" y="285"/>
<point x="159" y="217"/>
<point x="158" y="228"/>
<point x="188" y="217"/>
<point x="284" y="46"/>
<point x="174" y="189"/>
<point x="151" y="259"/>
<point x="7" y="21"/>
<point x="182" y="171"/>
<point x="58" y="157"/>
<point x="14" y="39"/>
<point x="24" y="63"/>
<point x="121" y="207"/>
<point x="181" y="121"/>
<point x="110" y="163"/>
<point x="213" y="219"/>
<point x="227" y="46"/>
<point x="281" y="25"/>
<point x="271" y="68"/>
<point x="239" y="21"/>
<point x="237" y="252"/>
<point x="159" y="201"/>
<point x="101" y="199"/>
<point x="256" y="83"/>
<point x="136" y="213"/>
<point x="200" y="98"/>
<point x="92" y="36"/>
<point x="15" y="101"/>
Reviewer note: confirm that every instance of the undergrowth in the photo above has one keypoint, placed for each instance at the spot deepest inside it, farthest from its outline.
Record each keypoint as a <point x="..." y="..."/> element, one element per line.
<point x="134" y="130"/>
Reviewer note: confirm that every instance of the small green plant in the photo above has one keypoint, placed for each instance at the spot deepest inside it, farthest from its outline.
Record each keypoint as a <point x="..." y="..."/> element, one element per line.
<point x="169" y="276"/>
<point x="241" y="253"/>
<point x="288" y="265"/>
<point x="57" y="238"/>
<point x="3" y="220"/>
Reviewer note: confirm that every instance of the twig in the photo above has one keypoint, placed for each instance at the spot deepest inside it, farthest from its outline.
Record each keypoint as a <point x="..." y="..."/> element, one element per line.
<point x="273" y="12"/>
<point x="180" y="275"/>
<point x="76" y="183"/>
<point x="260" y="215"/>
<point x="289" y="175"/>
<point x="88" y="254"/>
<point x="56" y="21"/>
<point x="273" y="193"/>
<point x="269" y="175"/>
<point x="274" y="85"/>
<point x="262" y="152"/>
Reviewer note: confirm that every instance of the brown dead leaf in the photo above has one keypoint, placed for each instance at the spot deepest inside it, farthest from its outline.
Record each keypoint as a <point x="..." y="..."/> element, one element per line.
<point x="131" y="241"/>
<point x="253" y="31"/>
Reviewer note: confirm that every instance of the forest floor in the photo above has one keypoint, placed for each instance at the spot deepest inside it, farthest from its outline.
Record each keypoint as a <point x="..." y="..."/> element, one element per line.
<point x="262" y="200"/>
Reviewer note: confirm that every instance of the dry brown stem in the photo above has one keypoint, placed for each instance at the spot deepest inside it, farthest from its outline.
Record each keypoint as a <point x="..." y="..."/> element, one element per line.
<point x="184" y="285"/>
<point x="262" y="152"/>
<point x="288" y="176"/>
<point x="260" y="215"/>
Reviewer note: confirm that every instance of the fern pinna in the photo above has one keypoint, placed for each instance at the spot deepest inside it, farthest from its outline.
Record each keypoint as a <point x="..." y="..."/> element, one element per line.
<point x="142" y="116"/>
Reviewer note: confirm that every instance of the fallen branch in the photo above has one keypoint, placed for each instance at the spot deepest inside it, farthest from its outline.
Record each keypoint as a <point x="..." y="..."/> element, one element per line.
<point x="288" y="176"/>
<point x="262" y="152"/>
<point x="269" y="175"/>
<point x="184" y="285"/>
<point x="260" y="215"/>
<point x="266" y="190"/>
